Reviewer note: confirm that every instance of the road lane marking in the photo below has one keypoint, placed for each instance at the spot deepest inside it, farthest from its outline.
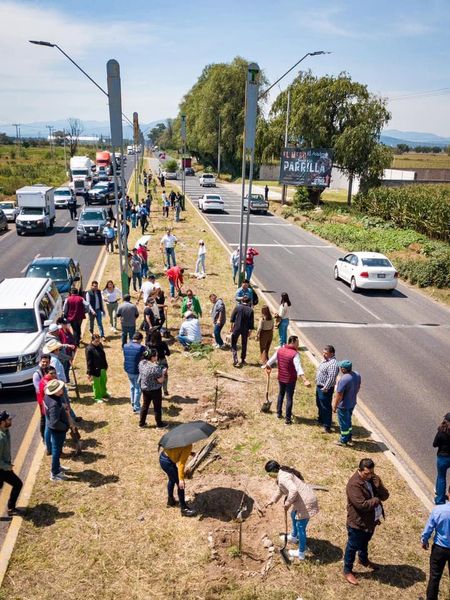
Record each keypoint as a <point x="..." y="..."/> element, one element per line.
<point x="359" y="304"/>
<point x="285" y="245"/>
<point x="333" y="324"/>
<point x="259" y="224"/>
<point x="277" y="243"/>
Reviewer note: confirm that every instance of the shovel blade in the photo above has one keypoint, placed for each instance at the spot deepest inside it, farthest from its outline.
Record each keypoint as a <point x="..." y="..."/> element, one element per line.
<point x="285" y="556"/>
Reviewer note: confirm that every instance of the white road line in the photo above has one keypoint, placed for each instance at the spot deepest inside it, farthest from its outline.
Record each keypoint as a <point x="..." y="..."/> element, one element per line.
<point x="259" y="224"/>
<point x="359" y="303"/>
<point x="281" y="246"/>
<point x="328" y="324"/>
<point x="285" y="245"/>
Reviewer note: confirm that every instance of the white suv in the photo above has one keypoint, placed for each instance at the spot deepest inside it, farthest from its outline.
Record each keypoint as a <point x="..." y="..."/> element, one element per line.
<point x="207" y="180"/>
<point x="27" y="308"/>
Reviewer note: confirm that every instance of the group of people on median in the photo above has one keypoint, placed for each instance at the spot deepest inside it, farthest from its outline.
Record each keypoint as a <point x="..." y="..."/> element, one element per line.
<point x="146" y="364"/>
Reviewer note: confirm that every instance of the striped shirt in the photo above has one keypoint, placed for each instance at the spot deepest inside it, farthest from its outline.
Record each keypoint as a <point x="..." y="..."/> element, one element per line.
<point x="327" y="374"/>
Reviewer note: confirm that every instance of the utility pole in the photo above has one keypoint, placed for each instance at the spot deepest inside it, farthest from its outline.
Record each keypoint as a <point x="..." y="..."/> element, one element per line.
<point x="183" y="151"/>
<point x="286" y="140"/>
<point x="65" y="157"/>
<point x="50" y="131"/>
<point x="17" y="126"/>
<point x="219" y="133"/>
<point x="251" y="106"/>
<point x="136" y="142"/>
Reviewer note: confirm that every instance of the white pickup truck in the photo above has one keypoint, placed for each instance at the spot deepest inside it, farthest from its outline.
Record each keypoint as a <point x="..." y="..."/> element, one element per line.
<point x="207" y="180"/>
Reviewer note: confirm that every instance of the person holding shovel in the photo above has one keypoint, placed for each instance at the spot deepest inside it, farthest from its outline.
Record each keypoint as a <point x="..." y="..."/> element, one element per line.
<point x="300" y="497"/>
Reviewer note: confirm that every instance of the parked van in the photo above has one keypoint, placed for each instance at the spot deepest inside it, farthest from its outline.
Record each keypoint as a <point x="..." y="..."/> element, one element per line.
<point x="28" y="306"/>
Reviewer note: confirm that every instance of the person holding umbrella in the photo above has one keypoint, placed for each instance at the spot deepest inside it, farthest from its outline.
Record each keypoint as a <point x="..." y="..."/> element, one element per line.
<point x="176" y="448"/>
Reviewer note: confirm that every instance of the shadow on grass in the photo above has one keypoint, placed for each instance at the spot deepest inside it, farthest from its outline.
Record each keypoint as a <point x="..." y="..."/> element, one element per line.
<point x="399" y="576"/>
<point x="172" y="411"/>
<point x="93" y="478"/>
<point x="117" y="401"/>
<point x="44" y="515"/>
<point x="86" y="457"/>
<point x="90" y="426"/>
<point x="183" y="399"/>
<point x="369" y="446"/>
<point x="324" y="551"/>
<point x="222" y="504"/>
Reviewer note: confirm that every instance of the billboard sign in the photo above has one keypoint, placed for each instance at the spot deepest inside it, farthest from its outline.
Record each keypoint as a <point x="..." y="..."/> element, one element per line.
<point x="310" y="167"/>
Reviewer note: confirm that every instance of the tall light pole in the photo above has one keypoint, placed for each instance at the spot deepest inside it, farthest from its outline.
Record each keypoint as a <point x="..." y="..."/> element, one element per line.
<point x="219" y="134"/>
<point x="183" y="152"/>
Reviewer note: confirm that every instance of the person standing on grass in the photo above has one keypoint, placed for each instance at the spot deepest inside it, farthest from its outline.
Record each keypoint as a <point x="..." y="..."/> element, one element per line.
<point x="190" y="331"/>
<point x="147" y="288"/>
<point x="242" y="322"/>
<point x="245" y="290"/>
<point x="160" y="299"/>
<point x="166" y="205"/>
<point x="326" y="376"/>
<point x="128" y="314"/>
<point x="143" y="253"/>
<point x="143" y="217"/>
<point x="200" y="266"/>
<point x="365" y="494"/>
<point x="345" y="399"/>
<point x="111" y="296"/>
<point x="96" y="309"/>
<point x="57" y="425"/>
<point x="264" y="333"/>
<point x="234" y="262"/>
<point x="7" y="474"/>
<point x="442" y="443"/>
<point x="439" y="524"/>
<point x="151" y="318"/>
<point x="173" y="462"/>
<point x="133" y="217"/>
<point x="148" y="202"/>
<point x="289" y="369"/>
<point x="175" y="277"/>
<point x="192" y="303"/>
<point x="156" y="343"/>
<point x="300" y="497"/>
<point x="38" y="376"/>
<point x="168" y="243"/>
<point x="177" y="208"/>
<point x="109" y="233"/>
<point x="250" y="262"/>
<point x="283" y="315"/>
<point x="132" y="356"/>
<point x="74" y="310"/>
<point x="97" y="367"/>
<point x="151" y="377"/>
<point x="136" y="269"/>
<point x="218" y="316"/>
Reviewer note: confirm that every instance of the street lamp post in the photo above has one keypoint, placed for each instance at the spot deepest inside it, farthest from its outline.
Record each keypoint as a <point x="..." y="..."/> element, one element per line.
<point x="183" y="152"/>
<point x="219" y="133"/>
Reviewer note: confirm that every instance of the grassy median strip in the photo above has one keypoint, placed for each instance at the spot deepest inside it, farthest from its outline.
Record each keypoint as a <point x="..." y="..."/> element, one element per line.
<point x="107" y="533"/>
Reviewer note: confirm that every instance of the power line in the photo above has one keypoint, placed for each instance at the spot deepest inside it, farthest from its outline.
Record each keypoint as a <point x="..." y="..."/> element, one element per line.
<point x="438" y="92"/>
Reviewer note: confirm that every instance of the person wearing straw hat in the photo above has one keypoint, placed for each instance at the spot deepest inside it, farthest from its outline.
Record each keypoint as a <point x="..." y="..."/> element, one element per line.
<point x="57" y="423"/>
<point x="7" y="474"/>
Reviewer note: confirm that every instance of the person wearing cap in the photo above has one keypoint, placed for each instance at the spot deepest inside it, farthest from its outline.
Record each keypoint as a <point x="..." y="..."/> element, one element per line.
<point x="66" y="350"/>
<point x="53" y="348"/>
<point x="7" y="474"/>
<point x="190" y="331"/>
<point x="200" y="267"/>
<point x="57" y="424"/>
<point x="50" y="373"/>
<point x="147" y="288"/>
<point x="345" y="399"/>
<point x="192" y="303"/>
<point x="97" y="366"/>
<point x="109" y="233"/>
<point x="442" y="443"/>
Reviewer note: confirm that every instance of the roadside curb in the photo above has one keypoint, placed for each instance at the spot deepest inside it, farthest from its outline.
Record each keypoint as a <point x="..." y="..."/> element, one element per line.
<point x="412" y="474"/>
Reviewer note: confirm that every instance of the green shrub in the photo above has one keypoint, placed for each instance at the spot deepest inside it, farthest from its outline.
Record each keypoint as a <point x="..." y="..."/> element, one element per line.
<point x="301" y="200"/>
<point x="433" y="271"/>
<point x="171" y="165"/>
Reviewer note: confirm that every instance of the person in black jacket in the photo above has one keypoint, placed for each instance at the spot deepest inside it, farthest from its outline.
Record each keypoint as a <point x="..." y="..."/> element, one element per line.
<point x="57" y="424"/>
<point x="242" y="322"/>
<point x="442" y="443"/>
<point x="156" y="342"/>
<point x="97" y="366"/>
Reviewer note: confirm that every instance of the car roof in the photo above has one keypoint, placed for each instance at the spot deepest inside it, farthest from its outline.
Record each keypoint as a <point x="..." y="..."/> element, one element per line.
<point x="368" y="254"/>
<point x="92" y="209"/>
<point x="213" y="196"/>
<point x="57" y="260"/>
<point x="63" y="187"/>
<point x="20" y="292"/>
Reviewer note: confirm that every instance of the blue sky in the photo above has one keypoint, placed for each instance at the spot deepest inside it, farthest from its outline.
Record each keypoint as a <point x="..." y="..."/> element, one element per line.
<point x="396" y="47"/>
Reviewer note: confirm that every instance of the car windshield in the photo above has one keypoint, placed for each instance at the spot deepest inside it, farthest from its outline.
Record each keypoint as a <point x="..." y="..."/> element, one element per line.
<point x="62" y="193"/>
<point x="376" y="262"/>
<point x="80" y="172"/>
<point x="257" y="197"/>
<point x="31" y="211"/>
<point x="91" y="216"/>
<point x="213" y="198"/>
<point x="99" y="187"/>
<point x="20" y="320"/>
<point x="6" y="205"/>
<point x="55" y="272"/>
<point x="208" y="176"/>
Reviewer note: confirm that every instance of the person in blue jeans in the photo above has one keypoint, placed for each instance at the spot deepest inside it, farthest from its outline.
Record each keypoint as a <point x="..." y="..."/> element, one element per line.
<point x="283" y="315"/>
<point x="128" y="313"/>
<point x="57" y="424"/>
<point x="300" y="497"/>
<point x="442" y="443"/>
<point x="132" y="355"/>
<point x="96" y="309"/>
<point x="344" y="400"/>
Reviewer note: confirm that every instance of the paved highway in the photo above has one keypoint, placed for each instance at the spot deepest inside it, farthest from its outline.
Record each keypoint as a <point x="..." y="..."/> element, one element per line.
<point x="400" y="342"/>
<point x="15" y="254"/>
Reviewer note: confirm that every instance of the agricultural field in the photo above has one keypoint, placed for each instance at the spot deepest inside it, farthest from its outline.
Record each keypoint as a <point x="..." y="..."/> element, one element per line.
<point x="414" y="160"/>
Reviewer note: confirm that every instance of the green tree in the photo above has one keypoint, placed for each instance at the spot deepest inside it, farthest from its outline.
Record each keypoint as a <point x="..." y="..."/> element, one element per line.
<point x="403" y="148"/>
<point x="219" y="91"/>
<point x="5" y="140"/>
<point x="338" y="113"/>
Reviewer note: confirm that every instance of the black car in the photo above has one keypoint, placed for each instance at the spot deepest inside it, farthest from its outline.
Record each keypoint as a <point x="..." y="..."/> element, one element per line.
<point x="64" y="271"/>
<point x="102" y="193"/>
<point x="189" y="171"/>
<point x="3" y="221"/>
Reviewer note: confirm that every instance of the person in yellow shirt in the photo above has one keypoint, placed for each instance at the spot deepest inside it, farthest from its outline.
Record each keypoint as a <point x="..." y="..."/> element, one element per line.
<point x="173" y="462"/>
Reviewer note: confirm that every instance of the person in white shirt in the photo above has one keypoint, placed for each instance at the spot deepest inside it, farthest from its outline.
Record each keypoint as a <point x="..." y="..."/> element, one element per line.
<point x="168" y="242"/>
<point x="200" y="268"/>
<point x="189" y="331"/>
<point x="111" y="296"/>
<point x="147" y="288"/>
<point x="283" y="315"/>
<point x="234" y="262"/>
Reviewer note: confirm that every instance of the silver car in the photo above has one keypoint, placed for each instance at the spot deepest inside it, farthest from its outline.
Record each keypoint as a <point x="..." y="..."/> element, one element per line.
<point x="10" y="209"/>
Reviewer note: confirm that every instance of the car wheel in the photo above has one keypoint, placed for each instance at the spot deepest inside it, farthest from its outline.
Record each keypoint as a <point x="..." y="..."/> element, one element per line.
<point x="265" y="212"/>
<point x="336" y="273"/>
<point x="353" y="285"/>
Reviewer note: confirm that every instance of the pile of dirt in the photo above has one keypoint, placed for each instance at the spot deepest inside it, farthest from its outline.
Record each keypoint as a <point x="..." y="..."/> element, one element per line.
<point x="221" y="418"/>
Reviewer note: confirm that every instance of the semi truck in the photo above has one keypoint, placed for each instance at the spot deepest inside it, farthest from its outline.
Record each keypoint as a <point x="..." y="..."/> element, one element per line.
<point x="103" y="161"/>
<point x="80" y="174"/>
<point x="36" y="209"/>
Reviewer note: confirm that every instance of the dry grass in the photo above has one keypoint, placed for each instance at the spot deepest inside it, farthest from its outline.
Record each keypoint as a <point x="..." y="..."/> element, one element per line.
<point x="107" y="534"/>
<point x="414" y="160"/>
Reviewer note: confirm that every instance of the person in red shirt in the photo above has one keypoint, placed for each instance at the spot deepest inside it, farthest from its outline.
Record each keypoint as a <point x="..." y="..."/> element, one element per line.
<point x="74" y="310"/>
<point x="143" y="253"/>
<point x="175" y="277"/>
<point x="249" y="262"/>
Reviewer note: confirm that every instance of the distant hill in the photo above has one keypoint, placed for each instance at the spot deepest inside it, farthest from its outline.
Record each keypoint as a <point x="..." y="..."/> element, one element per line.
<point x="392" y="137"/>
<point x="90" y="128"/>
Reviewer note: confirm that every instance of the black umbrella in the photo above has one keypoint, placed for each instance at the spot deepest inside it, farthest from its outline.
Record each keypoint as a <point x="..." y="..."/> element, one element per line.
<point x="186" y="434"/>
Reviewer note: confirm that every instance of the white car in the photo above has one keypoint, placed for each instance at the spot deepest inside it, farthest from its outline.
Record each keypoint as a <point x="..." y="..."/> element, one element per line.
<point x="207" y="180"/>
<point x="10" y="208"/>
<point x="170" y="175"/>
<point x="211" y="202"/>
<point x="366" y="270"/>
<point x="62" y="197"/>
